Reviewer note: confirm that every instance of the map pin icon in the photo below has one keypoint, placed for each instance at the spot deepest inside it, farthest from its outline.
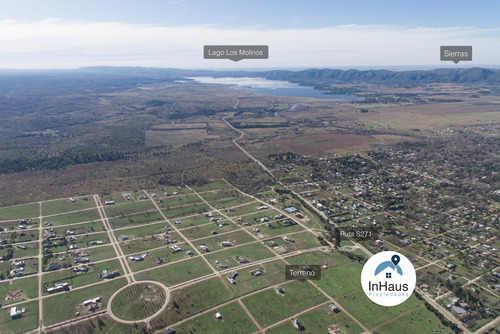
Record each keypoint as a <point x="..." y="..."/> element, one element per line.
<point x="395" y="260"/>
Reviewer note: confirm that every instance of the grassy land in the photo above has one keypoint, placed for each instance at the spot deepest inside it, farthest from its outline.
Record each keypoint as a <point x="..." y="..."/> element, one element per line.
<point x="253" y="252"/>
<point x="177" y="272"/>
<point x="371" y="314"/>
<point x="341" y="280"/>
<point x="27" y="322"/>
<point x="65" y="205"/>
<point x="419" y="320"/>
<point x="191" y="300"/>
<point x="273" y="274"/>
<point x="64" y="306"/>
<point x="269" y="306"/>
<point x="28" y="286"/>
<point x="19" y="212"/>
<point x="88" y="215"/>
<point x="234" y="320"/>
<point x="317" y="321"/>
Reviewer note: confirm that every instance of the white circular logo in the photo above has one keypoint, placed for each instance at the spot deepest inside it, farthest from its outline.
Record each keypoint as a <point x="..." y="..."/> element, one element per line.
<point x="388" y="278"/>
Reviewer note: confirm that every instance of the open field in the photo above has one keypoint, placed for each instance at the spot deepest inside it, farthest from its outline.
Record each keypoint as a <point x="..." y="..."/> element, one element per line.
<point x="234" y="320"/>
<point x="298" y="297"/>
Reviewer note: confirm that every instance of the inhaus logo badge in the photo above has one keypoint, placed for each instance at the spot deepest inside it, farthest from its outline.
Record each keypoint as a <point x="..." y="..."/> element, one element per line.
<point x="388" y="278"/>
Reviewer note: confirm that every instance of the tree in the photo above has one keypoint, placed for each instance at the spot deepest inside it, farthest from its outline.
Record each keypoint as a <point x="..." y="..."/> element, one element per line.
<point x="337" y="237"/>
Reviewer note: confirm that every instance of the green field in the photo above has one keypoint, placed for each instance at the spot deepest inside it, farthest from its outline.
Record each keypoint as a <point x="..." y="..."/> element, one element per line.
<point x="88" y="215"/>
<point x="121" y="210"/>
<point x="28" y="288"/>
<point x="205" y="230"/>
<point x="192" y="300"/>
<point x="134" y="219"/>
<point x="20" y="212"/>
<point x="317" y="322"/>
<point x="178" y="212"/>
<point x="234" y="320"/>
<point x="274" y="273"/>
<point x="28" y="321"/>
<point x="253" y="252"/>
<point x="269" y="306"/>
<point x="341" y="280"/>
<point x="237" y="238"/>
<point x="371" y="314"/>
<point x="79" y="279"/>
<point x="65" y="205"/>
<point x="176" y="272"/>
<point x="63" y="306"/>
<point x="419" y="320"/>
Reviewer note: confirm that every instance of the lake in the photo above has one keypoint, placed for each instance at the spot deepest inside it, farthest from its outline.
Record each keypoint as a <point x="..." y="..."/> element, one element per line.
<point x="263" y="86"/>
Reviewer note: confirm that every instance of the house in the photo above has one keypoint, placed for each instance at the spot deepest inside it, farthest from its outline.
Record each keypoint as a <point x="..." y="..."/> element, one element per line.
<point x="460" y="312"/>
<point x="18" y="263"/>
<point x="175" y="248"/>
<point x="16" y="272"/>
<point x="287" y="238"/>
<point x="256" y="272"/>
<point x="280" y="290"/>
<point x="170" y="331"/>
<point x="159" y="261"/>
<point x="92" y="301"/>
<point x="262" y="207"/>
<point x="264" y="219"/>
<point x="291" y="209"/>
<point x="21" y="247"/>
<point x="53" y="266"/>
<point x="242" y="260"/>
<point x="218" y="316"/>
<point x="204" y="248"/>
<point x="80" y="268"/>
<point x="109" y="203"/>
<point x="79" y="259"/>
<point x="111" y="275"/>
<point x="96" y="242"/>
<point x="135" y="258"/>
<point x="58" y="287"/>
<point x="226" y="244"/>
<point x="333" y="329"/>
<point x="15" y="313"/>
<point x="296" y="323"/>
<point x="255" y="229"/>
<point x="333" y="308"/>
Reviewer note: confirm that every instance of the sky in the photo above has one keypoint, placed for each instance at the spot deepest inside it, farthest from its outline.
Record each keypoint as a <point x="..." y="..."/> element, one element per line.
<point x="161" y="33"/>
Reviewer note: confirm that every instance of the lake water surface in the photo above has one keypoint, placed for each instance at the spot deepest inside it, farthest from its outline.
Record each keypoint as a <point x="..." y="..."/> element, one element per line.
<point x="273" y="87"/>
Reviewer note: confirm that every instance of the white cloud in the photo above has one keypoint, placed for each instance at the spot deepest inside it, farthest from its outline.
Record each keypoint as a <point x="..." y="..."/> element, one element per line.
<point x="54" y="43"/>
